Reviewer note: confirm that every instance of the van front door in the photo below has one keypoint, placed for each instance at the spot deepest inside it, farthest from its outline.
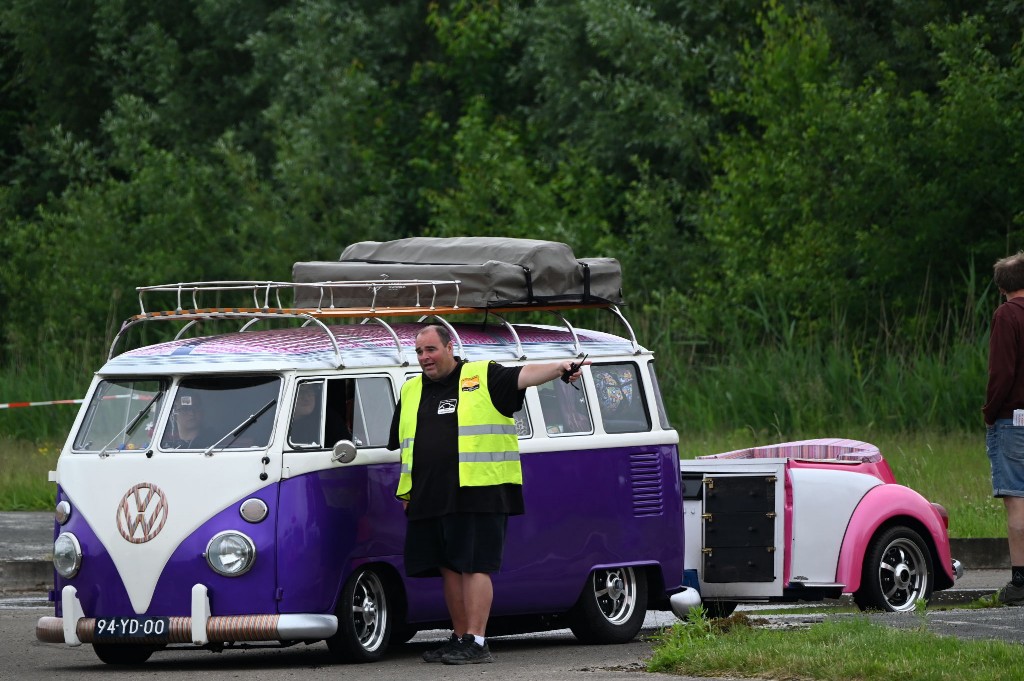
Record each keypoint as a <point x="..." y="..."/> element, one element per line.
<point x="335" y="515"/>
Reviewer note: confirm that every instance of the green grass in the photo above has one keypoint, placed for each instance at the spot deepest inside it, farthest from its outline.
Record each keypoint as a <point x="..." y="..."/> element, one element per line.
<point x="846" y="648"/>
<point x="953" y="470"/>
<point x="23" y="475"/>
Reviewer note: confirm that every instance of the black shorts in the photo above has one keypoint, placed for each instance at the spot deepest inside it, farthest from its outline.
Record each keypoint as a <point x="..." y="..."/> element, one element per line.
<point x="462" y="542"/>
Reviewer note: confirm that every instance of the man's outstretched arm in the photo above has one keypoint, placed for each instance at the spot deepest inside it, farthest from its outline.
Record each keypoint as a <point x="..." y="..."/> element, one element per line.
<point x="536" y="374"/>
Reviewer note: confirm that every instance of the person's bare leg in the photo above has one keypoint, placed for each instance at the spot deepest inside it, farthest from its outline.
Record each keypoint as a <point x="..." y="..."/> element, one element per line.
<point x="454" y="599"/>
<point x="477" y="594"/>
<point x="1015" y="528"/>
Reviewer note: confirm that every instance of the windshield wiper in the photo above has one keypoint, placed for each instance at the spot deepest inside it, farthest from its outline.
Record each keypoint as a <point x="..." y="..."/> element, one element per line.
<point x="133" y="424"/>
<point x="239" y="429"/>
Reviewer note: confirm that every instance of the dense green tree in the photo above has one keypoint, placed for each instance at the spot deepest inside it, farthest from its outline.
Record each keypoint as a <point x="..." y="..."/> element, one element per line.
<point x="109" y="87"/>
<point x="867" y="33"/>
<point x="86" y="251"/>
<point x="798" y="161"/>
<point x="342" y="121"/>
<point x="862" y="197"/>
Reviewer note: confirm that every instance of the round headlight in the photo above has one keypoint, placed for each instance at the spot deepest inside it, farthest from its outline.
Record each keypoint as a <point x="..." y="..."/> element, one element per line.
<point x="230" y="553"/>
<point x="67" y="555"/>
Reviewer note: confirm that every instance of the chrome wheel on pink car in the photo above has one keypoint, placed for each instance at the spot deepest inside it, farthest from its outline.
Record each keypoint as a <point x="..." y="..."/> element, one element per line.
<point x="898" y="572"/>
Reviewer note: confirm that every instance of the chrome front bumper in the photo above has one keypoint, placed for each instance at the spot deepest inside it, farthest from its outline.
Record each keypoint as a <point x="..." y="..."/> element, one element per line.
<point x="200" y="628"/>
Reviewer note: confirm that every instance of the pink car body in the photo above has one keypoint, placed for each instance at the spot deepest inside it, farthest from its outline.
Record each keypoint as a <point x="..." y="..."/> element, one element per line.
<point x="810" y="520"/>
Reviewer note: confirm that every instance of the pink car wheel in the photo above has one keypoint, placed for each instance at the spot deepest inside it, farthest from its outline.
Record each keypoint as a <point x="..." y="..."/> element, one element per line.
<point x="898" y="572"/>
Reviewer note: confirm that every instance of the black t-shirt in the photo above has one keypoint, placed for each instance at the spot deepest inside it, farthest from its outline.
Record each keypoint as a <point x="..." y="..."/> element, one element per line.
<point x="435" y="471"/>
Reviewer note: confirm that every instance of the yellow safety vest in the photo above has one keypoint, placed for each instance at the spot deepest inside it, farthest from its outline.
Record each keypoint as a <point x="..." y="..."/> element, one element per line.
<point x="488" y="445"/>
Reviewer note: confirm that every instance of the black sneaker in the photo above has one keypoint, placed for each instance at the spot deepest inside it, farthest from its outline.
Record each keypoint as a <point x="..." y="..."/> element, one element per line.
<point x="468" y="651"/>
<point x="436" y="654"/>
<point x="1011" y="594"/>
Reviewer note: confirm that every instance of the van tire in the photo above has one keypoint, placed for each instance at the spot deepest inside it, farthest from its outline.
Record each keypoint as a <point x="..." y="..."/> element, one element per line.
<point x="612" y="607"/>
<point x="122" y="654"/>
<point x="364" y="619"/>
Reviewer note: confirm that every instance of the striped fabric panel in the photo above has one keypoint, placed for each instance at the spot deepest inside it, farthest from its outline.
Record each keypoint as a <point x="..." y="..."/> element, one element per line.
<point x="822" y="448"/>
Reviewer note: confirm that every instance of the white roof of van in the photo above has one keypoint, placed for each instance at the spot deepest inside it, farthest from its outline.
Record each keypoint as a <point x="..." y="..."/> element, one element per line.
<point x="358" y="345"/>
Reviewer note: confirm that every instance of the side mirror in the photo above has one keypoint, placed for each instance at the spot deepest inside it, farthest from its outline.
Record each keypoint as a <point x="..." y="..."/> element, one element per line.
<point x="344" y="451"/>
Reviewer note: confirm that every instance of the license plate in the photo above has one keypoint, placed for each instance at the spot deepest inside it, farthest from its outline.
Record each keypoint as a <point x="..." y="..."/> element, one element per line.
<point x="132" y="627"/>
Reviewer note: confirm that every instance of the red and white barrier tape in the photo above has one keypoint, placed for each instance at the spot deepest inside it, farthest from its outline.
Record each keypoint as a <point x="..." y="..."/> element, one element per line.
<point x="13" y="405"/>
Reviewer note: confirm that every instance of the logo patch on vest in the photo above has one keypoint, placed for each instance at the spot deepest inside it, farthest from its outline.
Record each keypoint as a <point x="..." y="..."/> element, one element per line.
<point x="470" y="384"/>
<point x="447" y="406"/>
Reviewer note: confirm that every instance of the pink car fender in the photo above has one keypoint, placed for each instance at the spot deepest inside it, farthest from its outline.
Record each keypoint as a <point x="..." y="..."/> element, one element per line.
<point x="878" y="506"/>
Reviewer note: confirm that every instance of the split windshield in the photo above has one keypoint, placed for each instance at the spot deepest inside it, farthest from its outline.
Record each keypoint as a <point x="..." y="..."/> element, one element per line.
<point x="113" y="421"/>
<point x="222" y="412"/>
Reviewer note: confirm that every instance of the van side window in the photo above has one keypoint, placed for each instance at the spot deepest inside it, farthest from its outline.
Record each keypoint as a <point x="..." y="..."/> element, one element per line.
<point x="620" y="397"/>
<point x="338" y="411"/>
<point x="371" y="408"/>
<point x="662" y="414"/>
<point x="329" y="410"/>
<point x="564" y="408"/>
<point x="306" y="429"/>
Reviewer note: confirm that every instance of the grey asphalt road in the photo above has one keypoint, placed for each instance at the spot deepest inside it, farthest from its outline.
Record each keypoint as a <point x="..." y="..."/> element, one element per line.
<point x="551" y="656"/>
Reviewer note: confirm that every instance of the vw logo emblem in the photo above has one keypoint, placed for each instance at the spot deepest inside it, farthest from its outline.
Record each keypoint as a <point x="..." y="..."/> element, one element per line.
<point x="142" y="513"/>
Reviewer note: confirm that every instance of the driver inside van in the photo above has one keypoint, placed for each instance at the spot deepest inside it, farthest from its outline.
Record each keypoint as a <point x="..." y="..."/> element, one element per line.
<point x="188" y="430"/>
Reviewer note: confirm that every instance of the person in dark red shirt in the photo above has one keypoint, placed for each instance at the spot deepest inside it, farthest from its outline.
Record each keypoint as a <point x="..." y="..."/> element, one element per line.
<point x="1004" y="397"/>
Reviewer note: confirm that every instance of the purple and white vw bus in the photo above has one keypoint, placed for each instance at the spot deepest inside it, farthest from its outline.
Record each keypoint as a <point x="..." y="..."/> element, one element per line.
<point x="202" y="502"/>
<point x="230" y="487"/>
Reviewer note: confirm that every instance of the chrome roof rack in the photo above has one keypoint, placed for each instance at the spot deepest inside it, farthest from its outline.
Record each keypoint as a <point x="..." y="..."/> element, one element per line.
<point x="267" y="304"/>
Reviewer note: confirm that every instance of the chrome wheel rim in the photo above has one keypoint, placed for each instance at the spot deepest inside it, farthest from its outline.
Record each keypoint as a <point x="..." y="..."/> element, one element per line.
<point x="369" y="611"/>
<point x="615" y="594"/>
<point x="903" y="575"/>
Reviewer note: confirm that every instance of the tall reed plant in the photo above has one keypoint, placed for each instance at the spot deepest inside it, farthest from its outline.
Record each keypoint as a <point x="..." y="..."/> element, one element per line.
<point x="761" y="371"/>
<point x="43" y="379"/>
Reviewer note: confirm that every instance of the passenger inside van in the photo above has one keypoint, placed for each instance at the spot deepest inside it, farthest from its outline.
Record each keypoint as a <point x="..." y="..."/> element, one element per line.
<point x="305" y="428"/>
<point x="339" y="411"/>
<point x="313" y="426"/>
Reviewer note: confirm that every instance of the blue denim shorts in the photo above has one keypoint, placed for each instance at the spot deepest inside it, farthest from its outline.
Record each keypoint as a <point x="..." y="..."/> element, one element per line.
<point x="1004" y="443"/>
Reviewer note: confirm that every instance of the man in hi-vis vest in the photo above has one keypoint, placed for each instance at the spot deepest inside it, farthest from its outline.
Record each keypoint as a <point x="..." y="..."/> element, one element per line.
<point x="461" y="479"/>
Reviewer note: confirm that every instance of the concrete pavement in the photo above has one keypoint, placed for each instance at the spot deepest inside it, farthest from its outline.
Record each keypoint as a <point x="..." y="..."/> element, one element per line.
<point x="26" y="552"/>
